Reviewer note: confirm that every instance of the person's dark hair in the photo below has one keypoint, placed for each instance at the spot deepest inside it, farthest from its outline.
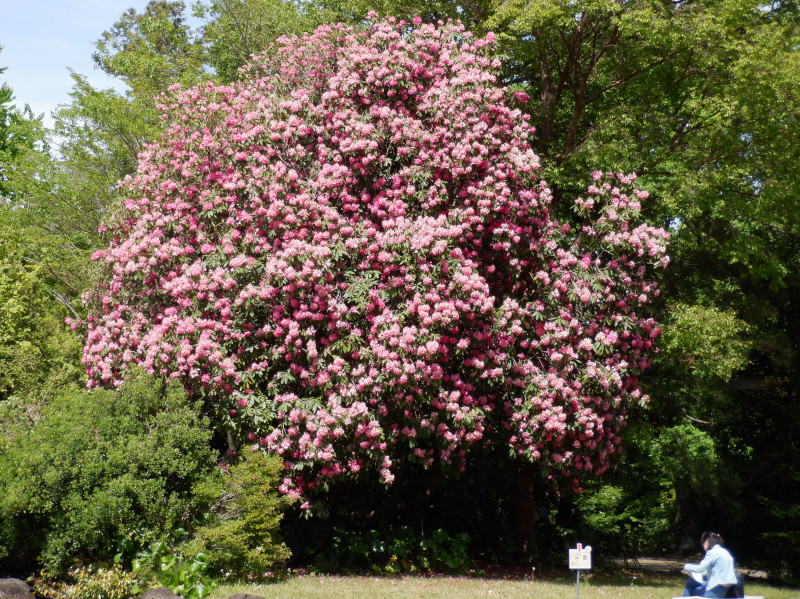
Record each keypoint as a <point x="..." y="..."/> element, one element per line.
<point x="712" y="538"/>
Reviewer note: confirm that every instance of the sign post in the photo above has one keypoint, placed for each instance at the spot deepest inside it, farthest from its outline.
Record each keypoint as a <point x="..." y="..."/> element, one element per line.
<point x="580" y="558"/>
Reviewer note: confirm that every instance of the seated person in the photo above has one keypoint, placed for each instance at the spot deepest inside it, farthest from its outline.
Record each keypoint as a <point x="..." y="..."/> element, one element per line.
<point x="717" y="570"/>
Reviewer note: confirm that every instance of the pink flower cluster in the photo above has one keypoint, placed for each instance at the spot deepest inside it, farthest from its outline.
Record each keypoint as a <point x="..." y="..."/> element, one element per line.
<point x="349" y="255"/>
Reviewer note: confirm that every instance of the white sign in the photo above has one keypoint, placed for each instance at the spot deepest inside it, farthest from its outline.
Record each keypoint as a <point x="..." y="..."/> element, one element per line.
<point x="580" y="558"/>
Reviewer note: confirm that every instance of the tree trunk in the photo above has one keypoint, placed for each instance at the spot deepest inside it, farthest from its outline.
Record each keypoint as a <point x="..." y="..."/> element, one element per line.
<point x="523" y="512"/>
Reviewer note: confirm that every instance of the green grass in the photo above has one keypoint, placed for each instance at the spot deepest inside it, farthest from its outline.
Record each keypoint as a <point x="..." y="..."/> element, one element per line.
<point x="444" y="587"/>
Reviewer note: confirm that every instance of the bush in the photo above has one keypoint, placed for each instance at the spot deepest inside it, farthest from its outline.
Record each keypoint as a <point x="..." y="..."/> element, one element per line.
<point x="100" y="467"/>
<point x="393" y="550"/>
<point x="620" y="524"/>
<point x="351" y="254"/>
<point x="90" y="582"/>
<point x="242" y="538"/>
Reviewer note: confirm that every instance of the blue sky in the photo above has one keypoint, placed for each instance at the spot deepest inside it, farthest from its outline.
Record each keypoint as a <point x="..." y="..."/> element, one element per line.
<point x="42" y="38"/>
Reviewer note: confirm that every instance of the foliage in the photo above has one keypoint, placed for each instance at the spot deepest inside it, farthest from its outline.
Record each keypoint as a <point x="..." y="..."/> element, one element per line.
<point x="101" y="129"/>
<point x="151" y="50"/>
<point x="242" y="536"/>
<point x="168" y="566"/>
<point x="351" y="256"/>
<point x="35" y="348"/>
<point x="758" y="444"/>
<point x="618" y="523"/>
<point x="664" y="470"/>
<point x="101" y="466"/>
<point x="18" y="312"/>
<point x="21" y="136"/>
<point x="234" y="30"/>
<point x="707" y="342"/>
<point x="102" y="583"/>
<point x="40" y="274"/>
<point x="37" y="351"/>
<point x="89" y="582"/>
<point x="393" y="551"/>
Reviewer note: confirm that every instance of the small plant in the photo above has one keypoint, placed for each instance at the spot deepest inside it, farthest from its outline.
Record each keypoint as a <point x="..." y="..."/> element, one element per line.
<point x="447" y="551"/>
<point x="185" y="577"/>
<point x="100" y="582"/>
<point x="94" y="581"/>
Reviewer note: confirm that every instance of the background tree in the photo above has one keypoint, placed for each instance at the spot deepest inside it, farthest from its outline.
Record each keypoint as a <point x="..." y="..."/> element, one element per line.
<point x="35" y="347"/>
<point x="37" y="351"/>
<point x="151" y="50"/>
<point x="21" y="135"/>
<point x="234" y="30"/>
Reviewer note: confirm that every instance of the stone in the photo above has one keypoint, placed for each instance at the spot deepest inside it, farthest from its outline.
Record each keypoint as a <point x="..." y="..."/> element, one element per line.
<point x="14" y="588"/>
<point x="159" y="593"/>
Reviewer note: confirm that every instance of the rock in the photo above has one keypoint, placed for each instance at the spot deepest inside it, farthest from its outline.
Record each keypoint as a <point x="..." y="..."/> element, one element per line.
<point x="244" y="596"/>
<point x="159" y="593"/>
<point x="14" y="588"/>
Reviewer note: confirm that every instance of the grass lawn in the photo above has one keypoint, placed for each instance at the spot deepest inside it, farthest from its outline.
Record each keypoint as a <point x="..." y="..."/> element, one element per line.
<point x="633" y="586"/>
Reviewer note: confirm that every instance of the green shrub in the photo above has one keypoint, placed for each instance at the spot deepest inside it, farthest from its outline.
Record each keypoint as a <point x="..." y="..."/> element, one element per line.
<point x="99" y="582"/>
<point x="90" y="582"/>
<point x="99" y="467"/>
<point x="242" y="536"/>
<point x="617" y="524"/>
<point x="395" y="550"/>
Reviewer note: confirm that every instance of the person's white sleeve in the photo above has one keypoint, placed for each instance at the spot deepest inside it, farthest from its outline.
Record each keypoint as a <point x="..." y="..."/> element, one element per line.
<point x="703" y="567"/>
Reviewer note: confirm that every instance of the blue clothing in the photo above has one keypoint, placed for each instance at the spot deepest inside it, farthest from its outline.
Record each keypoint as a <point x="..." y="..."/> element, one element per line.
<point x="719" y="574"/>
<point x="692" y="588"/>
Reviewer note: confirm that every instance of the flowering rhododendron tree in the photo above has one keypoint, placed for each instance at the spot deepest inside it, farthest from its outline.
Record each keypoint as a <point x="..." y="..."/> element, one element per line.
<point x="349" y="255"/>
